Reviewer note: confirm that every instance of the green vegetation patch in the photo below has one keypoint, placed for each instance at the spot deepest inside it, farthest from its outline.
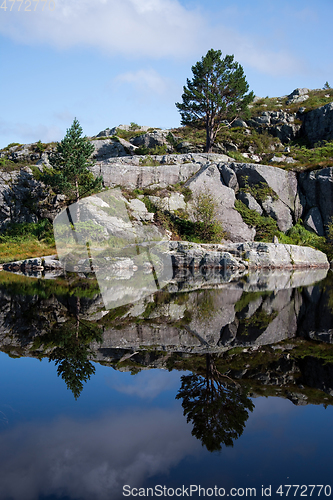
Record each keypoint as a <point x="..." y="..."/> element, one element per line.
<point x="24" y="240"/>
<point x="72" y="286"/>
<point x="8" y="165"/>
<point x="260" y="191"/>
<point x="266" y="227"/>
<point x="320" y="156"/>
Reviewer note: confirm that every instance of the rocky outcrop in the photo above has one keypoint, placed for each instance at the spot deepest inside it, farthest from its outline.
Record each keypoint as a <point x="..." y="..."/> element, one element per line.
<point x="271" y="191"/>
<point x="226" y="180"/>
<point x="129" y="128"/>
<point x="208" y="179"/>
<point x="21" y="197"/>
<point x="278" y="123"/>
<point x="318" y="124"/>
<point x="251" y="255"/>
<point x="316" y="188"/>
<point x="298" y="96"/>
<point x="153" y="139"/>
<point x="134" y="176"/>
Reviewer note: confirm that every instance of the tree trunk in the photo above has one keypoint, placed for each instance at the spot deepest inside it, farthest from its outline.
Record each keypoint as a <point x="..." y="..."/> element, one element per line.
<point x="77" y="317"/>
<point x="77" y="199"/>
<point x="209" y="138"/>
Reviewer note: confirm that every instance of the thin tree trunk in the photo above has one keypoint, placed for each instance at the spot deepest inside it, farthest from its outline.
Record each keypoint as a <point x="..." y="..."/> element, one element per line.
<point x="77" y="199"/>
<point x="209" y="139"/>
<point x="77" y="316"/>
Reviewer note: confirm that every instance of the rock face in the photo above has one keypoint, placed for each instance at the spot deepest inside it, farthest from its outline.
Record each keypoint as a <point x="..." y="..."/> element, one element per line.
<point x="136" y="176"/>
<point x="20" y="197"/>
<point x="278" y="123"/>
<point x="298" y="95"/>
<point x="208" y="179"/>
<point x="318" y="124"/>
<point x="279" y="197"/>
<point x="317" y="190"/>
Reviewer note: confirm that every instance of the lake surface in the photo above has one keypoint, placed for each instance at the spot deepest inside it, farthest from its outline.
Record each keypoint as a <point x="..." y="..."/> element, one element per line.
<point x="222" y="384"/>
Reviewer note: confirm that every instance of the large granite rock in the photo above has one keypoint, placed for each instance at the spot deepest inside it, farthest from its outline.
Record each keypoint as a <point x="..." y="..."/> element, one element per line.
<point x="153" y="140"/>
<point x="282" y="201"/>
<point x="275" y="255"/>
<point x="136" y="176"/>
<point x="298" y="95"/>
<point x="208" y="180"/>
<point x="110" y="148"/>
<point x="250" y="254"/>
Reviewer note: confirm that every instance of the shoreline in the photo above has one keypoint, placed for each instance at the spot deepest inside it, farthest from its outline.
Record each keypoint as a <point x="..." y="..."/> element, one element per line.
<point x="187" y="255"/>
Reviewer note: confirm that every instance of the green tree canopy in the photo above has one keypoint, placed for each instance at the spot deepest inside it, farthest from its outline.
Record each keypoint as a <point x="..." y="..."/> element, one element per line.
<point x="218" y="91"/>
<point x="69" y="173"/>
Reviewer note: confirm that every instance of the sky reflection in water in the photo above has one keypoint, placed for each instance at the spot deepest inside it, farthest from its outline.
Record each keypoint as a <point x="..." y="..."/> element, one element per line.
<point x="128" y="429"/>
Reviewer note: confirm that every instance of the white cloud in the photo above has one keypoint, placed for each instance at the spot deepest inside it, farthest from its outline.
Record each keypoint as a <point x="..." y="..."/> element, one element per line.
<point x="142" y="28"/>
<point x="146" y="80"/>
<point x="153" y="28"/>
<point x="148" y="384"/>
<point x="257" y="52"/>
<point x="92" y="459"/>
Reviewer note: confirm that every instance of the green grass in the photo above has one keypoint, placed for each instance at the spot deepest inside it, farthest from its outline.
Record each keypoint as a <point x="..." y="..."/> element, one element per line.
<point x="26" y="240"/>
<point x="320" y="156"/>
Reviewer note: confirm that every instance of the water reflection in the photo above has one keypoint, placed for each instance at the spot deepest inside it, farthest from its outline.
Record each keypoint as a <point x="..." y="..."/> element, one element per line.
<point x="71" y="349"/>
<point x="216" y="405"/>
<point x="230" y="343"/>
<point x="66" y="321"/>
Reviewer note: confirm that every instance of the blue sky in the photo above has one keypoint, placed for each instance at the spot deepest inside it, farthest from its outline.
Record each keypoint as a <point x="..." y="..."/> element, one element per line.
<point x="109" y="62"/>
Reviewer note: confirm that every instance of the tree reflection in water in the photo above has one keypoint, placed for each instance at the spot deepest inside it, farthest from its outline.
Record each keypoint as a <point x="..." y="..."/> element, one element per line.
<point x="72" y="350"/>
<point x="216" y="405"/>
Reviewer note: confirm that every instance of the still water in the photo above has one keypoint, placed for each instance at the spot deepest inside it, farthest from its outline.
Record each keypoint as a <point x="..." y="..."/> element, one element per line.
<point x="224" y="386"/>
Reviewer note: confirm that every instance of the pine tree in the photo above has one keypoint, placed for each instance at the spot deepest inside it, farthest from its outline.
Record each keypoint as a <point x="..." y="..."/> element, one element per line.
<point x="69" y="173"/>
<point x="218" y="91"/>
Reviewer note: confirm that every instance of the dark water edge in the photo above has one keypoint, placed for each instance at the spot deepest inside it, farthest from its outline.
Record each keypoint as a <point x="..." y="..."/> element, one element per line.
<point x="224" y="384"/>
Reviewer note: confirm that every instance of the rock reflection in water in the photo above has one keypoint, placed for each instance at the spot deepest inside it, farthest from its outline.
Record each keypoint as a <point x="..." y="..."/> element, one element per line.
<point x="66" y="321"/>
